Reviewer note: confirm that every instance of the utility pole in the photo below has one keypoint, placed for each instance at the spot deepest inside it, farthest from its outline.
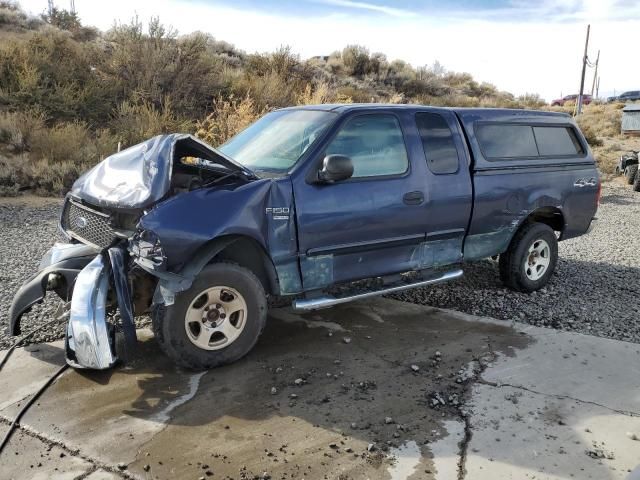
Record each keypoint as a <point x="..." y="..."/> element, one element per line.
<point x="584" y="69"/>
<point x="73" y="7"/>
<point x="598" y="87"/>
<point x="595" y="74"/>
<point x="51" y="7"/>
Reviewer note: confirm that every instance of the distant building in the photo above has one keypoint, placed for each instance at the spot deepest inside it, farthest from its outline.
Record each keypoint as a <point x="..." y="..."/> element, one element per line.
<point x="631" y="119"/>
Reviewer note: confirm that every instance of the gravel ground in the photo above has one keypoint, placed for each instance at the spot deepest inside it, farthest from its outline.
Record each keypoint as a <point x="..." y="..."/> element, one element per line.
<point x="595" y="290"/>
<point x="27" y="231"/>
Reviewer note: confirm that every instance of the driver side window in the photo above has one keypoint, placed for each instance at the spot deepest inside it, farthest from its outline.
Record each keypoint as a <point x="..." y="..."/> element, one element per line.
<point x="374" y="143"/>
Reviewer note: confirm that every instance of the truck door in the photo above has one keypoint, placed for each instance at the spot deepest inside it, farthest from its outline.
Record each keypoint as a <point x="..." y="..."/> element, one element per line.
<point x="376" y="222"/>
<point x="448" y="184"/>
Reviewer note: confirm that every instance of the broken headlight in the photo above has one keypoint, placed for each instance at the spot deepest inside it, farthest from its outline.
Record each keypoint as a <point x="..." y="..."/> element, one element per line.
<point x="145" y="247"/>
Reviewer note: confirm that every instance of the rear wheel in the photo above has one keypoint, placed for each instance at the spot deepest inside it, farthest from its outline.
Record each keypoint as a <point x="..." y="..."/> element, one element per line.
<point x="531" y="258"/>
<point x="216" y="322"/>
<point x="630" y="173"/>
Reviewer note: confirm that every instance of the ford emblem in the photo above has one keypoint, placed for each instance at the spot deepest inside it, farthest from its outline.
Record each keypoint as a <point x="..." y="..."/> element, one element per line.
<point x="80" y="222"/>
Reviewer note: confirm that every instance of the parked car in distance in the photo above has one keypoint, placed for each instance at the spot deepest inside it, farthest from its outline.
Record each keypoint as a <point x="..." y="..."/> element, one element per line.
<point x="559" y="102"/>
<point x="306" y="199"/>
<point x="630" y="96"/>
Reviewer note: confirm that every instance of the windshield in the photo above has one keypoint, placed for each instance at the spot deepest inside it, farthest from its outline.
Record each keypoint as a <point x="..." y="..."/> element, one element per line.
<point x="277" y="140"/>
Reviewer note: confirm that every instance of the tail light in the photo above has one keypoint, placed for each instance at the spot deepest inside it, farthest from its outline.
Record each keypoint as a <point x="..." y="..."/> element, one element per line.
<point x="598" y="192"/>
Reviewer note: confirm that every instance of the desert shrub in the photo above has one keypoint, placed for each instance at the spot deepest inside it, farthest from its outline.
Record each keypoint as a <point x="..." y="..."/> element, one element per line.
<point x="12" y="18"/>
<point x="229" y="117"/>
<point x="605" y="119"/>
<point x="17" y="129"/>
<point x="133" y="123"/>
<point x="321" y="93"/>
<point x="355" y="59"/>
<point x="52" y="72"/>
<point x="66" y="141"/>
<point x="270" y="90"/>
<point x="40" y="177"/>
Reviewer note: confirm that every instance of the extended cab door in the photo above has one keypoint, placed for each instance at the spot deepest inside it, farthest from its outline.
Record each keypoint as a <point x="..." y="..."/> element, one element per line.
<point x="379" y="221"/>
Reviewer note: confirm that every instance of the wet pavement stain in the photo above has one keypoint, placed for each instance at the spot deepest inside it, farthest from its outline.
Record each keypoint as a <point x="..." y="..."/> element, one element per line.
<point x="338" y="409"/>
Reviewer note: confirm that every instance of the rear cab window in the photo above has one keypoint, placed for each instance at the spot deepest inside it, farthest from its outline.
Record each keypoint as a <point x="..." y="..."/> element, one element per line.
<point x="439" y="146"/>
<point x="513" y="141"/>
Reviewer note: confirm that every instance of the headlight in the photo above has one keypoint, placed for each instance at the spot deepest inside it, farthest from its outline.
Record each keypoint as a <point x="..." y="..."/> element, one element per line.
<point x="145" y="247"/>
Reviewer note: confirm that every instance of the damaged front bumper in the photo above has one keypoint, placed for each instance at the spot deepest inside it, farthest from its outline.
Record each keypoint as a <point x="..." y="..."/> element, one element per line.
<point x="90" y="343"/>
<point x="86" y="276"/>
<point x="58" y="270"/>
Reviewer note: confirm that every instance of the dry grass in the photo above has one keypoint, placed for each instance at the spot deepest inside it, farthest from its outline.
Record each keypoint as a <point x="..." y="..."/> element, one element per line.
<point x="228" y="118"/>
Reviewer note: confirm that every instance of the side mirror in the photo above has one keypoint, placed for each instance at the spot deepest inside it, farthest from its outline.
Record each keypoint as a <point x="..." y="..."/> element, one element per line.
<point x="335" y="168"/>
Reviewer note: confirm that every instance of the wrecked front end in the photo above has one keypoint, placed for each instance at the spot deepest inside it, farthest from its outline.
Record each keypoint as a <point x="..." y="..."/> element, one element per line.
<point x="103" y="270"/>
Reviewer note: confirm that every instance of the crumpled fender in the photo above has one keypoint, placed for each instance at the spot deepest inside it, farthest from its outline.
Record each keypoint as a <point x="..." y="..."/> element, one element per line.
<point x="67" y="261"/>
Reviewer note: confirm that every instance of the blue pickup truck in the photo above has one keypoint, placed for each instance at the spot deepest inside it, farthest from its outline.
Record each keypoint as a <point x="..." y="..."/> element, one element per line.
<point x="306" y="199"/>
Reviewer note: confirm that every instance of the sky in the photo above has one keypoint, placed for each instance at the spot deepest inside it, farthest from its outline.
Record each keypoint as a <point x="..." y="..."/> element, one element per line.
<point x="521" y="46"/>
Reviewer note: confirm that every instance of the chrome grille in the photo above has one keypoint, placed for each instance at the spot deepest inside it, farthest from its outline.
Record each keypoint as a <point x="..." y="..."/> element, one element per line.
<point x="87" y="225"/>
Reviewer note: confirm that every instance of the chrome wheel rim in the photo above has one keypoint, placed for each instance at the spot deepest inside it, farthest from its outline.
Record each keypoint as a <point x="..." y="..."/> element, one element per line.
<point x="537" y="260"/>
<point x="216" y="318"/>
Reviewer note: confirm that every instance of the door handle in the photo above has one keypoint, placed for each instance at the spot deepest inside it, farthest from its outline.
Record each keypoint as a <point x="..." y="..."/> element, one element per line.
<point x="413" y="198"/>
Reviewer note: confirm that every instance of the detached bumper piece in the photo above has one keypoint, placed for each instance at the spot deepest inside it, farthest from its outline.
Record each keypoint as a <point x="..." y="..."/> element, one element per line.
<point x="62" y="263"/>
<point x="90" y="339"/>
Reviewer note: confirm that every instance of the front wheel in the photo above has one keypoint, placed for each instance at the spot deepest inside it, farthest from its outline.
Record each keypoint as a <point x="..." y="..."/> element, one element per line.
<point x="531" y="258"/>
<point x="215" y="322"/>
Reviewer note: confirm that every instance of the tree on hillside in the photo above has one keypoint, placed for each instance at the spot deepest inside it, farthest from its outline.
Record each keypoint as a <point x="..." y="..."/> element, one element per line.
<point x="63" y="19"/>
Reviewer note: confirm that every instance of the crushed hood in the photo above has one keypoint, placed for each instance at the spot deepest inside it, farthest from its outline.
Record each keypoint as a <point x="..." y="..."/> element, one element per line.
<point x="141" y="175"/>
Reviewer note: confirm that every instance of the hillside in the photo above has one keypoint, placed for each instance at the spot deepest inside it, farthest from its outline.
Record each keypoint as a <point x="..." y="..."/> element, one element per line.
<point x="70" y="94"/>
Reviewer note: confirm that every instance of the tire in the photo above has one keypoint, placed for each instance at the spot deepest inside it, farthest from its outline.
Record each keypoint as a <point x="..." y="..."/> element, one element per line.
<point x="196" y="333"/>
<point x="523" y="267"/>
<point x="630" y="173"/>
<point x="636" y="182"/>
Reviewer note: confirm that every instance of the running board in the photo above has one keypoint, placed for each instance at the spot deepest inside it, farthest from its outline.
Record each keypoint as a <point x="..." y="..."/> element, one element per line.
<point x="325" y="301"/>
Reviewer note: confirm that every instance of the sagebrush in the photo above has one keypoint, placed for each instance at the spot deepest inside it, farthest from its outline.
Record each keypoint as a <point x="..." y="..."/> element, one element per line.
<point x="69" y="94"/>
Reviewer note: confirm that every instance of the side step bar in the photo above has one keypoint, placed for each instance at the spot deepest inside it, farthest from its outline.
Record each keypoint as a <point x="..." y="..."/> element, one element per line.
<point x="325" y="301"/>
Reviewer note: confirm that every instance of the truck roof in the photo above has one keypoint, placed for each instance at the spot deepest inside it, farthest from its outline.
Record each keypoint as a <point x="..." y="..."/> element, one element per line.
<point x="484" y="112"/>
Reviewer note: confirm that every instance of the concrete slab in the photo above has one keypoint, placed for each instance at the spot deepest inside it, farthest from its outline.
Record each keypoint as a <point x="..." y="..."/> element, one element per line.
<point x="27" y="369"/>
<point x="592" y="369"/>
<point x="517" y="434"/>
<point x="28" y="457"/>
<point x="414" y="393"/>
<point x="101" y="474"/>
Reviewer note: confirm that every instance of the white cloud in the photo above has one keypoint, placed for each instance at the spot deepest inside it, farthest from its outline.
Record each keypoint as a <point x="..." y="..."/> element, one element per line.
<point x="530" y="54"/>
<point x="392" y="11"/>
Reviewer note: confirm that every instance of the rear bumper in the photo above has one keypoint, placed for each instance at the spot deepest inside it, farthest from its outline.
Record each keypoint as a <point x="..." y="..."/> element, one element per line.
<point x="64" y="259"/>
